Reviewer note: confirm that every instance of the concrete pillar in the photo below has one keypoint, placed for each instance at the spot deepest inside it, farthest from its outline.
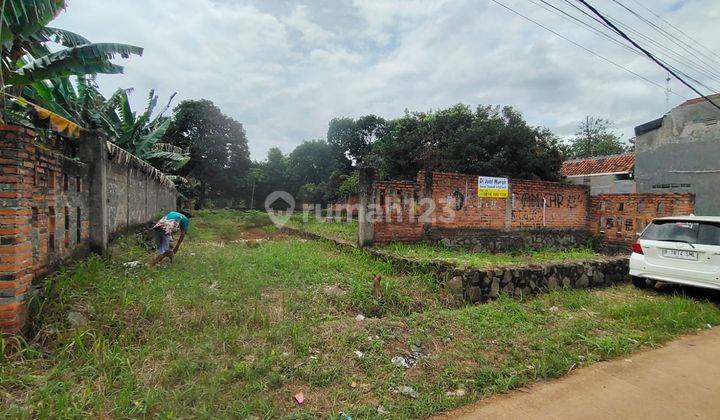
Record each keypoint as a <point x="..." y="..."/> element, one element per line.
<point x="93" y="152"/>
<point x="366" y="179"/>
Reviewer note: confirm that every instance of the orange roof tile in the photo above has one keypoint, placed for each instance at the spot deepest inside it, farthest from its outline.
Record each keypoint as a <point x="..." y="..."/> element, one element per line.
<point x="599" y="165"/>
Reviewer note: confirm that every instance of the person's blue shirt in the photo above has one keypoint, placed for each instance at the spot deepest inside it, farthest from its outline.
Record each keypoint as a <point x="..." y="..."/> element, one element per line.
<point x="181" y="219"/>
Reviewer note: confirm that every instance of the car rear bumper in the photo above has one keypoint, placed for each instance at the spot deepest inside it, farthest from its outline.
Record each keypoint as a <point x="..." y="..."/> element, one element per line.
<point x="638" y="268"/>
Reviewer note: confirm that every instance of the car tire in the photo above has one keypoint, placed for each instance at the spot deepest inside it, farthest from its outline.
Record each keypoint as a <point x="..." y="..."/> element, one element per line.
<point x="642" y="283"/>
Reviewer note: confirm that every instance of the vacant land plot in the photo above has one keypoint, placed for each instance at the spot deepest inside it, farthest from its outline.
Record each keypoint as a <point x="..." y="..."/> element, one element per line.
<point x="344" y="230"/>
<point x="246" y="318"/>
<point x="463" y="257"/>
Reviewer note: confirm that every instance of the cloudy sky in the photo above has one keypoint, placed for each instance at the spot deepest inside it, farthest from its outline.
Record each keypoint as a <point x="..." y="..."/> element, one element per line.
<point x="285" y="68"/>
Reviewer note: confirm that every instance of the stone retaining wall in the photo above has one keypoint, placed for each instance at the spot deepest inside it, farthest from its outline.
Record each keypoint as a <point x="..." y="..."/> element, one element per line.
<point x="479" y="285"/>
<point x="490" y="240"/>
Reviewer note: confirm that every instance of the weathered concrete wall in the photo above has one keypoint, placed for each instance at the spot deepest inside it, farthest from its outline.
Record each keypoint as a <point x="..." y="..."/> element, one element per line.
<point x="53" y="207"/>
<point x="682" y="155"/>
<point x="604" y="184"/>
<point x="134" y="195"/>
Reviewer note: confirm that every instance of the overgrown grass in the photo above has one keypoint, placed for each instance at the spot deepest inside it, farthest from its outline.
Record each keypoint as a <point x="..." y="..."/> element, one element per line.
<point x="464" y="257"/>
<point x="232" y="330"/>
<point x="343" y="230"/>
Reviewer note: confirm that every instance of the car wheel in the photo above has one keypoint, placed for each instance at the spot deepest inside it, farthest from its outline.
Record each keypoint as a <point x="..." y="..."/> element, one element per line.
<point x="642" y="283"/>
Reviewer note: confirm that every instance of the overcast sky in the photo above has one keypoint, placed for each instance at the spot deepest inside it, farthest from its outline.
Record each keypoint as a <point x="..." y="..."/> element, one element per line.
<point x="285" y="68"/>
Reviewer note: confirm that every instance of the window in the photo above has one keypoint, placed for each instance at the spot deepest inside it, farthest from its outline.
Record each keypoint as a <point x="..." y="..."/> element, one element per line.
<point x="603" y="205"/>
<point x="51" y="229"/>
<point x="661" y="208"/>
<point x="51" y="179"/>
<point x="78" y="226"/>
<point x="609" y="223"/>
<point x="628" y="224"/>
<point x="65" y="182"/>
<point x="621" y="207"/>
<point x="66" y="238"/>
<point x="639" y="224"/>
<point x="672" y="231"/>
<point x="78" y="184"/>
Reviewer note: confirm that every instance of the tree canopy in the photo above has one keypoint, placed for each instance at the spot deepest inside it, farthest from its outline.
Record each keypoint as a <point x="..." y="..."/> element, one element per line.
<point x="219" y="154"/>
<point x="594" y="137"/>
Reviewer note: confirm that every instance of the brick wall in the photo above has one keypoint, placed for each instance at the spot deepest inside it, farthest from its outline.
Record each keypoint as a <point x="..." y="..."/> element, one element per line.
<point x="46" y="208"/>
<point x="398" y="207"/>
<point x="458" y="212"/>
<point x="619" y="217"/>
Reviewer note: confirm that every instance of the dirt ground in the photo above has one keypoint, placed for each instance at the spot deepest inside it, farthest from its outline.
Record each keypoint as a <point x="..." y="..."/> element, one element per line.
<point x="678" y="381"/>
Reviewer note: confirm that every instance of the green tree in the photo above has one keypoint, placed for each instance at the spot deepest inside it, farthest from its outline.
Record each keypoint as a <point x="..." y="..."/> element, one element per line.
<point x="219" y="154"/>
<point x="353" y="139"/>
<point x="595" y="137"/>
<point x="311" y="162"/>
<point x="141" y="134"/>
<point x="490" y="141"/>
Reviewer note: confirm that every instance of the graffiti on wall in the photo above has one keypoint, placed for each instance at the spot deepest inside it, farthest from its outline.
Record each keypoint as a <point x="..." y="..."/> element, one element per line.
<point x="554" y="200"/>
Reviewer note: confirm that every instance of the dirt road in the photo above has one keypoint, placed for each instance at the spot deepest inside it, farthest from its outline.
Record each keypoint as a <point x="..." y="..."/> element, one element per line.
<point x="678" y="381"/>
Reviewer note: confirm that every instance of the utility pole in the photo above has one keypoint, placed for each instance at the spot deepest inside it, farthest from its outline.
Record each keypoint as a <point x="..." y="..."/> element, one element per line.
<point x="667" y="93"/>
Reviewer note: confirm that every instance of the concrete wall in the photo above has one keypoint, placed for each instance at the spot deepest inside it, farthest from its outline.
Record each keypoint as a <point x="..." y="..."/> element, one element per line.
<point x="54" y="206"/>
<point x="682" y="155"/>
<point x="604" y="184"/>
<point x="134" y="195"/>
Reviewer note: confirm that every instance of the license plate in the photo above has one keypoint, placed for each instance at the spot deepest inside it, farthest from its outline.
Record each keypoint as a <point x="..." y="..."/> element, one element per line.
<point x="680" y="254"/>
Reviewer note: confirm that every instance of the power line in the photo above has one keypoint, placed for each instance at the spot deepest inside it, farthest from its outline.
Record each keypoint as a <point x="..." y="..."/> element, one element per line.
<point x="662" y="31"/>
<point x="635" y="44"/>
<point x="678" y="29"/>
<point x="583" y="47"/>
<point x="578" y="22"/>
<point x="699" y="66"/>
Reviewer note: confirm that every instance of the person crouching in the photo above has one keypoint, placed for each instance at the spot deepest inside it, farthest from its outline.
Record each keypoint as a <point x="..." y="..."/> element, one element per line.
<point x="164" y="229"/>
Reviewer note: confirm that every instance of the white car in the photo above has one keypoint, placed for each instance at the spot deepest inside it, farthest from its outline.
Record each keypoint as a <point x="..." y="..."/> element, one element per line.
<point x="683" y="250"/>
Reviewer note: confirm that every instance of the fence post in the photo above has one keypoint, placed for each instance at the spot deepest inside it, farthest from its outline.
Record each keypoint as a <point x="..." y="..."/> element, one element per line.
<point x="93" y="152"/>
<point x="366" y="179"/>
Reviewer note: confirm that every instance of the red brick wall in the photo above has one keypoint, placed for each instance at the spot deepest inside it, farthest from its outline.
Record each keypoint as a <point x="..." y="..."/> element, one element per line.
<point x="38" y="188"/>
<point x="565" y="205"/>
<point x="531" y="204"/>
<point x="619" y="217"/>
<point x="397" y="208"/>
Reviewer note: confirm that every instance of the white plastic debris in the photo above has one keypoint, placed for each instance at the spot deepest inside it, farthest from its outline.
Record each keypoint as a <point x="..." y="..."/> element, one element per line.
<point x="360" y="318"/>
<point x="399" y="361"/>
<point x="132" y="264"/>
<point x="408" y="391"/>
<point x="359" y="354"/>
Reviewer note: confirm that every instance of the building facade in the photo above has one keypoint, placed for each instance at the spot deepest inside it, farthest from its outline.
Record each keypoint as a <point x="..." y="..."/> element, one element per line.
<point x="604" y="175"/>
<point x="680" y="152"/>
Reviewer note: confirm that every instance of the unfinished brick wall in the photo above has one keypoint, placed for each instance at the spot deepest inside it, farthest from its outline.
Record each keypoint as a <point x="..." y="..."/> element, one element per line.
<point x="397" y="204"/>
<point x="459" y="216"/>
<point x="619" y="217"/>
<point x="46" y="209"/>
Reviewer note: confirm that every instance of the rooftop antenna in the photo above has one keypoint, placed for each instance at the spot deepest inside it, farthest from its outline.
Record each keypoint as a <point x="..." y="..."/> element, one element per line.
<point x="667" y="92"/>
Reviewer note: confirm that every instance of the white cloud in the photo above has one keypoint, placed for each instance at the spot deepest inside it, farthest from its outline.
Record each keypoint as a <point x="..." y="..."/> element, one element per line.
<point x="311" y="32"/>
<point x="285" y="70"/>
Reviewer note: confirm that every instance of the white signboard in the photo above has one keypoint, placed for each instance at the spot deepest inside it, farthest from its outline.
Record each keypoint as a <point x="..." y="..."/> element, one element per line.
<point x="492" y="187"/>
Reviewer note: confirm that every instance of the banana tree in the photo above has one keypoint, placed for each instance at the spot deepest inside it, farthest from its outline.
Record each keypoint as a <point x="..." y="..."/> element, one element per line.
<point x="27" y="59"/>
<point x="141" y="134"/>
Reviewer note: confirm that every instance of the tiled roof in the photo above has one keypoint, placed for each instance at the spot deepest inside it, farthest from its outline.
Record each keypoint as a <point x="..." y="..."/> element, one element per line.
<point x="599" y="165"/>
<point x="700" y="100"/>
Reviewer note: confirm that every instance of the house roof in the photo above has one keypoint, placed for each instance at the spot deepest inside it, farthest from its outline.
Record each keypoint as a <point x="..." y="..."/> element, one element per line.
<point x="700" y="100"/>
<point x="599" y="165"/>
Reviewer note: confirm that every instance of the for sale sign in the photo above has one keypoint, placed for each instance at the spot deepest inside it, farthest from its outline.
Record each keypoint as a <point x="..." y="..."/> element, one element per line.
<point x="492" y="187"/>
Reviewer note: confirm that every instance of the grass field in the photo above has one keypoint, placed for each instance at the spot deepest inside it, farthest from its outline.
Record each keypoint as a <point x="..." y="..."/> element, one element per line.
<point x="463" y="257"/>
<point x="343" y="230"/>
<point x="247" y="317"/>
